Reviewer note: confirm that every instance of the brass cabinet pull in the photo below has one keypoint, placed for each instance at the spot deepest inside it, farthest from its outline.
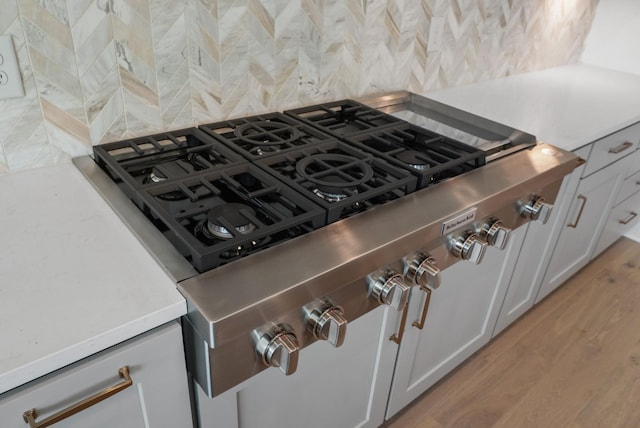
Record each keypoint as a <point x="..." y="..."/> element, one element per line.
<point x="621" y="148"/>
<point x="398" y="337"/>
<point x="632" y="215"/>
<point x="584" y="202"/>
<point x="425" y="309"/>
<point x="30" y="415"/>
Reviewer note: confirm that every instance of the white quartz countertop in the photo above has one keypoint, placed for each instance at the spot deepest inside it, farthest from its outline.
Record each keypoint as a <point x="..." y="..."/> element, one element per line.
<point x="567" y="107"/>
<point x="73" y="279"/>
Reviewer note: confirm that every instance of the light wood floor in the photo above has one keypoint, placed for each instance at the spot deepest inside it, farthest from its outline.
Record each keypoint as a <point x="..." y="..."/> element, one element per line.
<point x="572" y="361"/>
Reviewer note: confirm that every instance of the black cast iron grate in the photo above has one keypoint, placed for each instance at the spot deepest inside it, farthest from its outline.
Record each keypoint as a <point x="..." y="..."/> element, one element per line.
<point x="220" y="216"/>
<point x="258" y="136"/>
<point x="341" y="178"/>
<point x="429" y="156"/>
<point x="140" y="162"/>
<point x="344" y="118"/>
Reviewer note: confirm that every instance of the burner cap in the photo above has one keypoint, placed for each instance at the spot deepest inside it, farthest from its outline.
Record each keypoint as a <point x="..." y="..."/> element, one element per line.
<point x="413" y="159"/>
<point x="155" y="176"/>
<point x="334" y="192"/>
<point x="333" y="174"/>
<point x="266" y="133"/>
<point x="232" y="215"/>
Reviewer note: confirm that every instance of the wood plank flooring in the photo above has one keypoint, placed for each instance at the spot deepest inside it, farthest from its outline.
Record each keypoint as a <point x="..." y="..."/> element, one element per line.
<point x="572" y="361"/>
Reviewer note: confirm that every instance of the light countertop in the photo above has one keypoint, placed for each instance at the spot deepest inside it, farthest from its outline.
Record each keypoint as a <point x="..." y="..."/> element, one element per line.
<point x="73" y="278"/>
<point x="567" y="107"/>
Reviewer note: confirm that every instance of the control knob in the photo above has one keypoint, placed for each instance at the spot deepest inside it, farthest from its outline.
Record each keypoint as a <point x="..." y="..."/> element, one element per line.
<point x="495" y="233"/>
<point x="389" y="288"/>
<point x="536" y="209"/>
<point x="421" y="269"/>
<point x="326" y="321"/>
<point x="469" y="247"/>
<point x="277" y="346"/>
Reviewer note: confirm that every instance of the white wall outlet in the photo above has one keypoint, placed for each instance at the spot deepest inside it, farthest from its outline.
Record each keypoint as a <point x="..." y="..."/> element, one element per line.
<point x="436" y="29"/>
<point x="10" y="79"/>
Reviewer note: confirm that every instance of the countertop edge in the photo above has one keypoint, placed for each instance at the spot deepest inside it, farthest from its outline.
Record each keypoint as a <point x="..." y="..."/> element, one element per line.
<point x="90" y="346"/>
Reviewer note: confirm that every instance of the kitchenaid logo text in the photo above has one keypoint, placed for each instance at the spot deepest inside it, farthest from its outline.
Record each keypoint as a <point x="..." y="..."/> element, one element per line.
<point x="459" y="221"/>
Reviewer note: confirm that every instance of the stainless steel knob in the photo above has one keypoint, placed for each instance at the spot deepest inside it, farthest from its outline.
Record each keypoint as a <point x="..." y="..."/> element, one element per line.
<point x="277" y="346"/>
<point x="421" y="269"/>
<point x="469" y="247"/>
<point x="389" y="288"/>
<point x="536" y="209"/>
<point x="495" y="233"/>
<point x="326" y="321"/>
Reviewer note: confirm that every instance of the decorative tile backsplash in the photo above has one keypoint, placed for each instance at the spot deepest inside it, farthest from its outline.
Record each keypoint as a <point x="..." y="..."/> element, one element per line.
<point x="101" y="70"/>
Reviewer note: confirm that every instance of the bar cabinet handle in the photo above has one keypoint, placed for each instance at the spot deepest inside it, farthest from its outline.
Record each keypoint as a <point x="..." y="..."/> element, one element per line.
<point x="398" y="337"/>
<point x="425" y="309"/>
<point x="30" y="415"/>
<point x="584" y="202"/>
<point x="621" y="148"/>
<point x="632" y="215"/>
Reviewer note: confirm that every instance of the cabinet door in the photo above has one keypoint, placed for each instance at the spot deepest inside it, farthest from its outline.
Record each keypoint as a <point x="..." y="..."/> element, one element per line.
<point x="158" y="396"/>
<point x="461" y="317"/>
<point x="332" y="387"/>
<point x="587" y="215"/>
<point x="540" y="239"/>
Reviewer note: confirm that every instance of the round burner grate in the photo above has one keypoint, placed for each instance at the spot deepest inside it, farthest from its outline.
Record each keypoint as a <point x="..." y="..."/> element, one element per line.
<point x="334" y="175"/>
<point x="267" y="133"/>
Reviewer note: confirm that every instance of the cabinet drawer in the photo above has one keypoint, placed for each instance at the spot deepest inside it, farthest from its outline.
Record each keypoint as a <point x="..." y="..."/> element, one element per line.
<point x="154" y="392"/>
<point x="630" y="186"/>
<point x="611" y="148"/>
<point x="623" y="218"/>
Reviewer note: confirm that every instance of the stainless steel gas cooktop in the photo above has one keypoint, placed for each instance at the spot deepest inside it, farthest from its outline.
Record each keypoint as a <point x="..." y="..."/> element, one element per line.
<point x="281" y="228"/>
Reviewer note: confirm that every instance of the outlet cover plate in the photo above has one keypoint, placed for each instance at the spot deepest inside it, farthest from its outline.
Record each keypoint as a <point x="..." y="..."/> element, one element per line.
<point x="10" y="78"/>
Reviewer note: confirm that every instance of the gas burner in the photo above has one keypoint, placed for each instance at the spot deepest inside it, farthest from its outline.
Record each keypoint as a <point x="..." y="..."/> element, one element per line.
<point x="336" y="176"/>
<point x="266" y="133"/>
<point x="414" y="159"/>
<point x="220" y="218"/>
<point x="333" y="193"/>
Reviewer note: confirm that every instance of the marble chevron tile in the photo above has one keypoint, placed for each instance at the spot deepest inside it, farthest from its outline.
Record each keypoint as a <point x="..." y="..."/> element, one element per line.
<point x="204" y="59"/>
<point x="234" y="57"/>
<point x="50" y="46"/>
<point x="313" y="45"/>
<point x="95" y="53"/>
<point x="136" y="65"/>
<point x="420" y="45"/>
<point x="274" y="35"/>
<point x="169" y="34"/>
<point x="25" y="140"/>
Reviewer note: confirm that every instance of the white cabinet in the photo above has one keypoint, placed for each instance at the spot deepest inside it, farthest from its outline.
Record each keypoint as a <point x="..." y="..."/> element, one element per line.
<point x="591" y="206"/>
<point x="536" y="252"/>
<point x="460" y="320"/>
<point x="579" y="236"/>
<point x="332" y="387"/>
<point x="625" y="213"/>
<point x="157" y="397"/>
